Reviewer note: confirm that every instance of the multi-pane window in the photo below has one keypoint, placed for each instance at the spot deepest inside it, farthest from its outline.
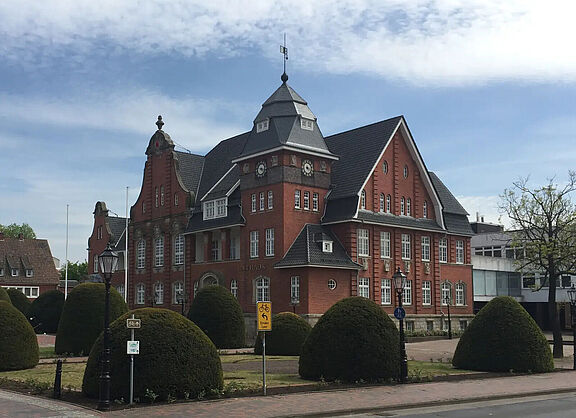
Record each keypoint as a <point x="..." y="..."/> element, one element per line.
<point x="408" y="207"/>
<point x="315" y="202"/>
<point x="425" y="248"/>
<point x="159" y="251"/>
<point x="209" y="210"/>
<point x="159" y="293"/>
<point x="363" y="200"/>
<point x="270" y="199"/>
<point x="234" y="288"/>
<point x="406" y="251"/>
<point x="177" y="291"/>
<point x="407" y="294"/>
<point x="156" y="196"/>
<point x="234" y="247"/>
<point x="385" y="167"/>
<point x="141" y="254"/>
<point x="460" y="299"/>
<point x="388" y="203"/>
<point x="460" y="252"/>
<point x="295" y="289"/>
<point x="254" y="244"/>
<point x="364" y="287"/>
<point x="253" y="202"/>
<point x="161" y="195"/>
<point x="426" y="292"/>
<point x="120" y="289"/>
<point x="261" y="200"/>
<point x="95" y="266"/>
<point x="402" y="204"/>
<point x="195" y="288"/>
<point x="363" y="243"/>
<point x="385" y="244"/>
<point x="216" y="247"/>
<point x="446" y="292"/>
<point x="306" y="200"/>
<point x="179" y="249"/>
<point x="262" y="289"/>
<point x="270" y="242"/>
<point x="140" y="293"/>
<point x="386" y="291"/>
<point x="443" y="250"/>
<point x="425" y="209"/>
<point x="221" y="208"/>
<point x="296" y="199"/>
<point x="381" y="202"/>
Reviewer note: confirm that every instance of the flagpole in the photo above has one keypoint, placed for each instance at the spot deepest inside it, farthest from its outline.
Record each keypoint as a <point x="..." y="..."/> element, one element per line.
<point x="66" y="271"/>
<point x="126" y="254"/>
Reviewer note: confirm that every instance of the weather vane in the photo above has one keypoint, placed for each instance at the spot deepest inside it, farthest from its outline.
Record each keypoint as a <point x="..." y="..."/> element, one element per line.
<point x="284" y="51"/>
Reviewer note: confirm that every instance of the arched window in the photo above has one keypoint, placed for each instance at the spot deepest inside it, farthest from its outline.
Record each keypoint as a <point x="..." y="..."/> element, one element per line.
<point x="388" y="203"/>
<point x="262" y="289"/>
<point x="402" y="206"/>
<point x="446" y="293"/>
<point x="179" y="249"/>
<point x="159" y="293"/>
<point x="140" y="293"/>
<point x="159" y="251"/>
<point x="408" y="207"/>
<point x="425" y="209"/>
<point x="234" y="288"/>
<point x="460" y="294"/>
<point x="363" y="200"/>
<point x="385" y="167"/>
<point x="405" y="171"/>
<point x="156" y="196"/>
<point x="381" y="202"/>
<point x="177" y="292"/>
<point x="141" y="254"/>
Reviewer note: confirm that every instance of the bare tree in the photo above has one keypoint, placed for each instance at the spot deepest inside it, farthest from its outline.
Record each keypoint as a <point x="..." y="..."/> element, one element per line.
<point x="544" y="229"/>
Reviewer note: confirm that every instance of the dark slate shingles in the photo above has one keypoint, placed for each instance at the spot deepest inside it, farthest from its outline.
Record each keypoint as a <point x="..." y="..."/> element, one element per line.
<point x="401" y="221"/>
<point x="190" y="168"/>
<point x="457" y="224"/>
<point x="225" y="185"/>
<point x="197" y="223"/>
<point x="449" y="202"/>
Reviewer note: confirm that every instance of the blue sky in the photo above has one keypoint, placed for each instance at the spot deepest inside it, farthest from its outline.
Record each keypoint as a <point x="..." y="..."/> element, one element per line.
<point x="488" y="90"/>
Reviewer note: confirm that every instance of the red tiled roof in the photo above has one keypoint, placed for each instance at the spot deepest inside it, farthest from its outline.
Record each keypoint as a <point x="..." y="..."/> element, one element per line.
<point x="25" y="254"/>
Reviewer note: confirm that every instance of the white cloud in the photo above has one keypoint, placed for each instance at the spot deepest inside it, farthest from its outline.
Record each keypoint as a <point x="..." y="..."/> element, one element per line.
<point x="441" y="42"/>
<point x="486" y="207"/>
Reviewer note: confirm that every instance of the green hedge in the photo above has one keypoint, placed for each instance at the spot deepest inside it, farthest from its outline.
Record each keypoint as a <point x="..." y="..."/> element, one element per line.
<point x="18" y="345"/>
<point x="217" y="312"/>
<point x="4" y="295"/>
<point x="289" y="331"/>
<point x="503" y="337"/>
<point x="176" y="358"/>
<point x="20" y="301"/>
<point x="83" y="317"/>
<point x="45" y="311"/>
<point x="355" y="339"/>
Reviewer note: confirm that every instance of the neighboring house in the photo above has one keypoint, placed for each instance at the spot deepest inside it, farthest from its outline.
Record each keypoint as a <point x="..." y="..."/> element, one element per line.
<point x="281" y="213"/>
<point x="496" y="274"/>
<point x="112" y="230"/>
<point x="27" y="265"/>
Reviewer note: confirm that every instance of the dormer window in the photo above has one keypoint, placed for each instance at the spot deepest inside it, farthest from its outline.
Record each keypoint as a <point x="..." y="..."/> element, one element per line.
<point x="326" y="246"/>
<point x="14" y="272"/>
<point x="216" y="208"/>
<point x="307" y="124"/>
<point x="262" y="126"/>
<point x="29" y="272"/>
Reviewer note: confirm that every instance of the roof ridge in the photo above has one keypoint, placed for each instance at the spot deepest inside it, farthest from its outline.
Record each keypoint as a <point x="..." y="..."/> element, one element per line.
<point x="363" y="126"/>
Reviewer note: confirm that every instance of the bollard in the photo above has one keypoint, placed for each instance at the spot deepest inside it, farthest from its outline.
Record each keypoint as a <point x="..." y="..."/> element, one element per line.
<point x="58" y="380"/>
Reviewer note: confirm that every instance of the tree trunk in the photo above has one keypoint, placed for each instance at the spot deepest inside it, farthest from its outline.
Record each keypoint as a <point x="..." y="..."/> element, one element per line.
<point x="558" y="351"/>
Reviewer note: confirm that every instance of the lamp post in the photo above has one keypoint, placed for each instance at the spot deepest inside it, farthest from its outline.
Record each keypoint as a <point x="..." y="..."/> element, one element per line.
<point x="572" y="297"/>
<point x="448" y="301"/>
<point x="108" y="263"/>
<point x="399" y="279"/>
<point x="294" y="301"/>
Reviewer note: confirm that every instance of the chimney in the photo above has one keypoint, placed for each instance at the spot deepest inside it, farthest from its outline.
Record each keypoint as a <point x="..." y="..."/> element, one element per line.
<point x="21" y="236"/>
<point x="482" y="219"/>
<point x="477" y="216"/>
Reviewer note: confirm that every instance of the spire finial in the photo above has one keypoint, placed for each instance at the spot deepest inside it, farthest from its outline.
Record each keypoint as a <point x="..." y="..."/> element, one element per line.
<point x="159" y="123"/>
<point x="284" y="51"/>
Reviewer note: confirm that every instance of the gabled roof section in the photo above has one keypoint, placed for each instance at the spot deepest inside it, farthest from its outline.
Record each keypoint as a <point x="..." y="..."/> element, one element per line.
<point x="234" y="218"/>
<point x="224" y="186"/>
<point x="28" y="254"/>
<point x="189" y="167"/>
<point x="449" y="202"/>
<point x="306" y="251"/>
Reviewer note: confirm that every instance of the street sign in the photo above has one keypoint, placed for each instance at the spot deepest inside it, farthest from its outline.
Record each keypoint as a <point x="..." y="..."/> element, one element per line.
<point x="264" y="312"/>
<point x="132" y="323"/>
<point x="132" y="347"/>
<point x="399" y="313"/>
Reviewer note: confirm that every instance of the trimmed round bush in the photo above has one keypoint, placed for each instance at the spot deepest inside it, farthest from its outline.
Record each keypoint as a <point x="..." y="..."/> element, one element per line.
<point x="18" y="345"/>
<point x="82" y="317"/>
<point x="355" y="339"/>
<point x="20" y="301"/>
<point x="176" y="358"/>
<point x="503" y="337"/>
<point x="289" y="331"/>
<point x="217" y="312"/>
<point x="45" y="311"/>
<point x="4" y="295"/>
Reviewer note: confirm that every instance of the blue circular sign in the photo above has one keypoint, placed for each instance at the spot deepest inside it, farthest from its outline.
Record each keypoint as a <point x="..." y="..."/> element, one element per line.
<point x="399" y="313"/>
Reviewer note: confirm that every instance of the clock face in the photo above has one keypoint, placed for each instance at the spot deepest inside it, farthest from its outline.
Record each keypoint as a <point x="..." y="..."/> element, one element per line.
<point x="260" y="169"/>
<point x="307" y="168"/>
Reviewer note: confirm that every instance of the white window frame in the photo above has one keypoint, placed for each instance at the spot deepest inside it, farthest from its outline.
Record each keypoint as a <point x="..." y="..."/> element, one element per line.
<point x="385" y="167"/>
<point x="295" y="289"/>
<point x="363" y="238"/>
<point x="141" y="254"/>
<point x="159" y="251"/>
<point x="254" y="238"/>
<point x="217" y="208"/>
<point x="405" y="171"/>
<point x="253" y="201"/>
<point x="95" y="264"/>
<point x="176" y="201"/>
<point x="158" y="293"/>
<point x="446" y="293"/>
<point x="382" y="200"/>
<point x="425" y="248"/>
<point x="262" y="289"/>
<point x="261" y="200"/>
<point x="386" y="292"/>
<point x="161" y="195"/>
<point x="406" y="247"/>
<point x="459" y="252"/>
<point x="332" y="284"/>
<point x="234" y="288"/>
<point x="216" y="247"/>
<point x="269" y="242"/>
<point x="306" y="200"/>
<point x="408" y="207"/>
<point x="14" y="272"/>
<point x="297" y="194"/>
<point x="388" y="203"/>
<point x="426" y="292"/>
<point x="402" y="205"/>
<point x="363" y="199"/>
<point x="407" y="293"/>
<point x="270" y="199"/>
<point x="443" y="250"/>
<point x="179" y="249"/>
<point x="306" y="124"/>
<point x="460" y="291"/>
<point x="262" y="126"/>
<point x="315" y="202"/>
<point x="140" y="294"/>
<point x="385" y="248"/>
<point x="177" y="289"/>
<point x="327" y="246"/>
<point x="29" y="273"/>
<point x="425" y="209"/>
<point x="364" y="287"/>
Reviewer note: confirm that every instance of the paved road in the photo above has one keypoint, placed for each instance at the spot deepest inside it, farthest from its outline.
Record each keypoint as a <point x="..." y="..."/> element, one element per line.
<point x="15" y="405"/>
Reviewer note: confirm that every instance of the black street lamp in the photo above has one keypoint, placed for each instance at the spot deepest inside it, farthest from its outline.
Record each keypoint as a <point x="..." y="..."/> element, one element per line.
<point x="572" y="296"/>
<point x="108" y="263"/>
<point x="448" y="302"/>
<point x="399" y="279"/>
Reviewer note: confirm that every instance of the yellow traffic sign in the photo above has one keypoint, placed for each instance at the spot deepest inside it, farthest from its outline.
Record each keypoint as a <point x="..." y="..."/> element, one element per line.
<point x="264" y="312"/>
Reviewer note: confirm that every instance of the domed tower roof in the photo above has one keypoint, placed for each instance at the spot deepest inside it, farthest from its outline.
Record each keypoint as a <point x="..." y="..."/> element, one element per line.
<point x="285" y="122"/>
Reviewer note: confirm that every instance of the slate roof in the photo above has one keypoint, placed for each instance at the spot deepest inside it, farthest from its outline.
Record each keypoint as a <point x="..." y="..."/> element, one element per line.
<point x="449" y="202"/>
<point x="117" y="226"/>
<point x="190" y="168"/>
<point x="400" y="221"/>
<point x="222" y="188"/>
<point x="197" y="223"/>
<point x="28" y="253"/>
<point x="306" y="251"/>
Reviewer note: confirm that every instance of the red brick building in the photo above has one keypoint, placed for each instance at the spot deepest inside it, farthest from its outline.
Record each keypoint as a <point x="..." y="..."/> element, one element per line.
<point x="281" y="213"/>
<point x="27" y="265"/>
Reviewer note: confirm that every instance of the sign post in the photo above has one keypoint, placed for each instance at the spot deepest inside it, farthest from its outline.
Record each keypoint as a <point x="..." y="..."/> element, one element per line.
<point x="132" y="347"/>
<point x="264" y="318"/>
